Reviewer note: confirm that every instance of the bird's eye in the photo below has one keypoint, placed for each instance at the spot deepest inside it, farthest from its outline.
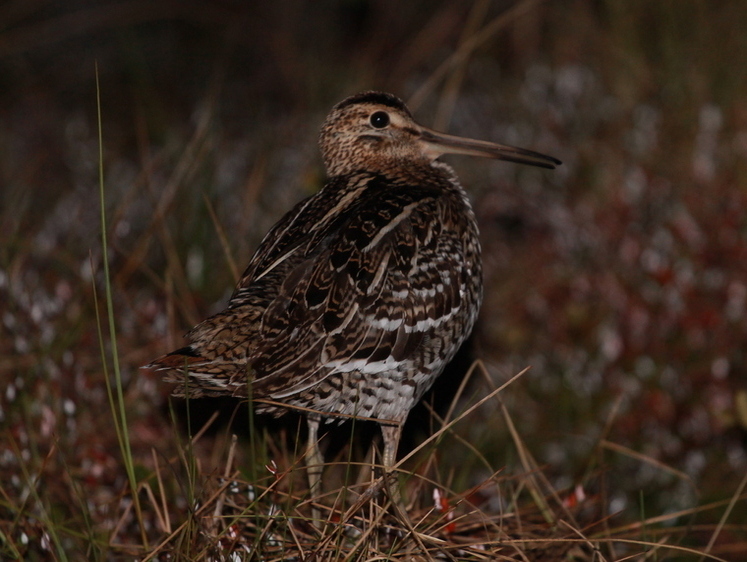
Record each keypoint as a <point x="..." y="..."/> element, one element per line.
<point x="380" y="119"/>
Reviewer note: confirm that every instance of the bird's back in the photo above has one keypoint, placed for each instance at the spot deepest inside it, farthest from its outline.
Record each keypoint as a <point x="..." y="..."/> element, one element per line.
<point x="352" y="304"/>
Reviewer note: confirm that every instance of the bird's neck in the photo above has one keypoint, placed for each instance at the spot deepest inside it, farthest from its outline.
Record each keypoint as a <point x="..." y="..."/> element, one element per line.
<point x="397" y="172"/>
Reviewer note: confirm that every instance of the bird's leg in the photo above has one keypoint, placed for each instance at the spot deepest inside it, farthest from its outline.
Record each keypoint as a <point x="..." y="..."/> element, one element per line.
<point x="391" y="435"/>
<point x="365" y="474"/>
<point x="314" y="466"/>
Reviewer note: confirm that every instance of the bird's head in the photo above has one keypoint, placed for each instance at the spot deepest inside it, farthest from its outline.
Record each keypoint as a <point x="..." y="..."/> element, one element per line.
<point x="375" y="131"/>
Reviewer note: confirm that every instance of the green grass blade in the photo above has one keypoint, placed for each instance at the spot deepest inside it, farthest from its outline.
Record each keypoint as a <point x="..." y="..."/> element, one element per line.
<point x="119" y="410"/>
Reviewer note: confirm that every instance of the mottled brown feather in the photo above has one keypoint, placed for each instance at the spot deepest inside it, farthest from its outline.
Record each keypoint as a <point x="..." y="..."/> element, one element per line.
<point x="358" y="297"/>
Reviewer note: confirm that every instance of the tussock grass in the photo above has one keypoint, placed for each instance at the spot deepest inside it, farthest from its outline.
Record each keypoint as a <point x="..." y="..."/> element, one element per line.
<point x="268" y="517"/>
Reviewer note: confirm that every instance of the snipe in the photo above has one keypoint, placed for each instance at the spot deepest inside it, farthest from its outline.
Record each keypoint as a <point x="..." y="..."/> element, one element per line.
<point x="356" y="299"/>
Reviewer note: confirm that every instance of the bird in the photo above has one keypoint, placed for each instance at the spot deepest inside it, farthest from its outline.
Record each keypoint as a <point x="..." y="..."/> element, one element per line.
<point x="355" y="301"/>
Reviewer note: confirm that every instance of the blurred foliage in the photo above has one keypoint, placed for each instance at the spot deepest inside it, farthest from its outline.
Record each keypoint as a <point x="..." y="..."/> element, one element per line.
<point x="621" y="278"/>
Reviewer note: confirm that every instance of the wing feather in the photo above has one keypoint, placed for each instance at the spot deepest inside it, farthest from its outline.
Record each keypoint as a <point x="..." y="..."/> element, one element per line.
<point x="342" y="283"/>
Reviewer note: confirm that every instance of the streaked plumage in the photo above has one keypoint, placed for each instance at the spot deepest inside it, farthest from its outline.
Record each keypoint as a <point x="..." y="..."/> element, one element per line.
<point x="358" y="297"/>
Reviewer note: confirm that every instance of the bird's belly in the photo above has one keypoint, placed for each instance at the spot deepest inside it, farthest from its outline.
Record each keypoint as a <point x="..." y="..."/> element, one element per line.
<point x="386" y="396"/>
<point x="382" y="390"/>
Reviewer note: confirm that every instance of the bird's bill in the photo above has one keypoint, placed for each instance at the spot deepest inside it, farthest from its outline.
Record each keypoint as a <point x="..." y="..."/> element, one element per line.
<point x="436" y="144"/>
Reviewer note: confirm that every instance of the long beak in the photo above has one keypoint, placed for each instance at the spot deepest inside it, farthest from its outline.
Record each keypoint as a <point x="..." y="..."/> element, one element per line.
<point x="434" y="144"/>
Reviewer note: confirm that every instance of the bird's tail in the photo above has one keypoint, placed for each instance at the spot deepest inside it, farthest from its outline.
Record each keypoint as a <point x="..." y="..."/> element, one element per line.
<point x="196" y="376"/>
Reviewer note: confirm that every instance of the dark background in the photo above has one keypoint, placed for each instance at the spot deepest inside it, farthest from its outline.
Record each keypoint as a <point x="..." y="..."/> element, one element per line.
<point x="620" y="278"/>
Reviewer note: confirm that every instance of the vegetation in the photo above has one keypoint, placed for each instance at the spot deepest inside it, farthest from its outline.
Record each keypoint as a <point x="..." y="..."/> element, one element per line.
<point x="620" y="280"/>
